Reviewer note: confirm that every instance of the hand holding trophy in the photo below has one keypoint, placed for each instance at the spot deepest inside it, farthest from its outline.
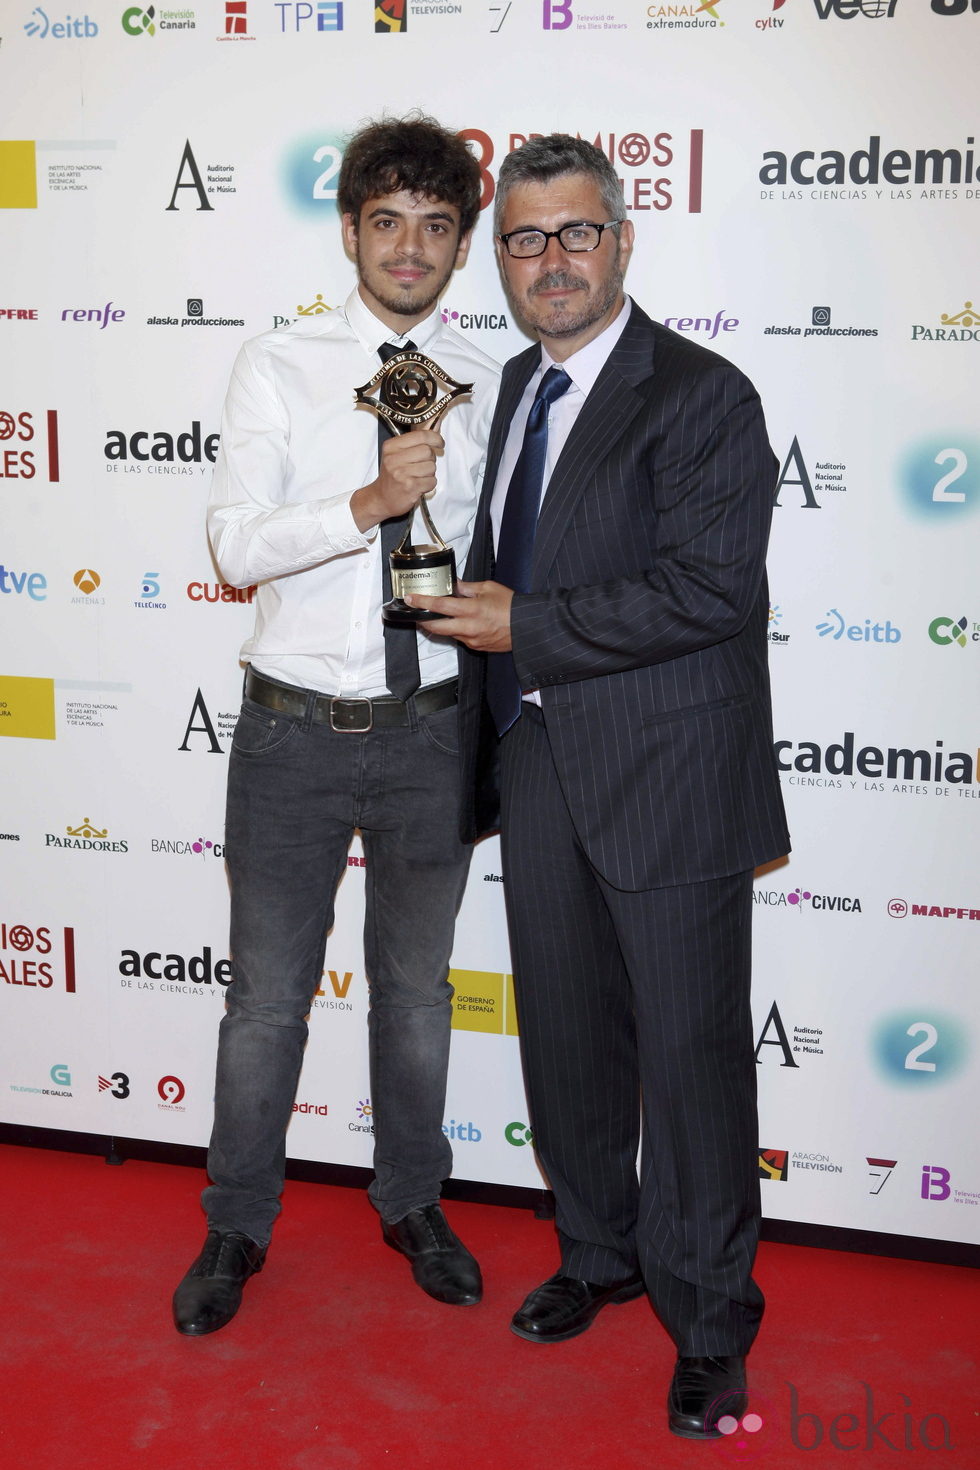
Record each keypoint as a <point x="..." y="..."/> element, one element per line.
<point x="408" y="397"/>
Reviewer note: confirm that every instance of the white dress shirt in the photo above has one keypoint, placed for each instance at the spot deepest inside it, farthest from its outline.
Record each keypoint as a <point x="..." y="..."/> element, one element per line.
<point x="583" y="367"/>
<point x="294" y="449"/>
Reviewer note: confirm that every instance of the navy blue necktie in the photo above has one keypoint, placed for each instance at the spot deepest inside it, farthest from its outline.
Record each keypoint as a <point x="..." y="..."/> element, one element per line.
<point x="515" y="544"/>
<point x="401" y="643"/>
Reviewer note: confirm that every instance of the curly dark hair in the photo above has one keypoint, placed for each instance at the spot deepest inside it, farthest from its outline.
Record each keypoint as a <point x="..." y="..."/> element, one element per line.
<point x="414" y="153"/>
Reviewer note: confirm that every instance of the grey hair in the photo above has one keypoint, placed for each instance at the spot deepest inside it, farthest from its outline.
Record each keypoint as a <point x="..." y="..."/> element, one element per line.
<point x="540" y="160"/>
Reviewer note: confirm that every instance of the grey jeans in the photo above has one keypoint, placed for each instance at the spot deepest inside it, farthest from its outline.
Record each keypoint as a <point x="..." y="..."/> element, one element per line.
<point x="296" y="792"/>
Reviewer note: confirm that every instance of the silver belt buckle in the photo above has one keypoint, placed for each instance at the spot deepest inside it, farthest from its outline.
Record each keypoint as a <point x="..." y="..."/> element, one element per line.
<point x="351" y="729"/>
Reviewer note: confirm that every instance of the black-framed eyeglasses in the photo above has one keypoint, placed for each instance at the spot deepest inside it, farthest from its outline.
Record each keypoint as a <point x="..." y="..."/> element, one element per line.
<point x="575" y="237"/>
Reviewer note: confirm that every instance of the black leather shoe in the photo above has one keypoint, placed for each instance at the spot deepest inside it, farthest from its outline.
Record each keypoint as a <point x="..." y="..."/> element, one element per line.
<point x="703" y="1390"/>
<point x="563" y="1306"/>
<point x="211" y="1292"/>
<point x="441" y="1264"/>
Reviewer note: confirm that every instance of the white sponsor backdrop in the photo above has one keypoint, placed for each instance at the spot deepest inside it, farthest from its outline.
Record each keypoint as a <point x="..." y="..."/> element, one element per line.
<point x="803" y="178"/>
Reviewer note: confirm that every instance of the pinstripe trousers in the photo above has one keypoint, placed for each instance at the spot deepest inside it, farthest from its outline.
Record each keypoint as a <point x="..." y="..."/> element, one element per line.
<point x="634" y="1012"/>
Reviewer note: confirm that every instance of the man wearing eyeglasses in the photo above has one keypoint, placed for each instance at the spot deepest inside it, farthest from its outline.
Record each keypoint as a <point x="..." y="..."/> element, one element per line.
<point x="616" y="608"/>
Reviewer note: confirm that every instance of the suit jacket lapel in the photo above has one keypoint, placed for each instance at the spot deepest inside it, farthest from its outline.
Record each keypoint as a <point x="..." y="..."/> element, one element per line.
<point x="515" y="378"/>
<point x="512" y="384"/>
<point x="604" y="417"/>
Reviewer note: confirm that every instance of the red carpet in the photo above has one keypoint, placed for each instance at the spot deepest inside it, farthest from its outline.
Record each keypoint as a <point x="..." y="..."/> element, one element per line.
<point x="338" y="1362"/>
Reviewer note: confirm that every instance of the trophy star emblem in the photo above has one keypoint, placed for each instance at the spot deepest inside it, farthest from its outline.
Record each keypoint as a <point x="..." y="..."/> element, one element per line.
<point x="405" y="391"/>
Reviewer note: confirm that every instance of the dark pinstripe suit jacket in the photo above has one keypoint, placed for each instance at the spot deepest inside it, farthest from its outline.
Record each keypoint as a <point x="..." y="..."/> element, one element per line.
<point x="645" y="628"/>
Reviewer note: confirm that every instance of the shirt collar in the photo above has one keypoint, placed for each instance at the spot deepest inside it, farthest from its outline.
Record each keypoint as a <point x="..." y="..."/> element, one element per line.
<point x="372" y="333"/>
<point x="584" y="366"/>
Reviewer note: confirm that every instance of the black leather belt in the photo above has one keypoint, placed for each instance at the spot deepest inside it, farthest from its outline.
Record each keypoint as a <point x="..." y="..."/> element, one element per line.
<point x="354" y="716"/>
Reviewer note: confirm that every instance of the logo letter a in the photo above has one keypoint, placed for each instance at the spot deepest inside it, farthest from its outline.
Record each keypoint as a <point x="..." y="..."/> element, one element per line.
<point x="795" y="457"/>
<point x="207" y="728"/>
<point x="187" y="162"/>
<point x="775" y="1020"/>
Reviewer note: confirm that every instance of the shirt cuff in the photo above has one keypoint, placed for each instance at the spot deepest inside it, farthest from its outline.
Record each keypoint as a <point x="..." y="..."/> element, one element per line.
<point x="340" y="528"/>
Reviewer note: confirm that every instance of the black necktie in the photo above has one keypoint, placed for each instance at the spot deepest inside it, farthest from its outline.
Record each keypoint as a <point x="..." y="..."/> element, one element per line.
<point x="401" y="644"/>
<point x="515" y="544"/>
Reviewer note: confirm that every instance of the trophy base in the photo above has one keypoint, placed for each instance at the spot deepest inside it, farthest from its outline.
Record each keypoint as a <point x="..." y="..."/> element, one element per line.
<point x="400" y="615"/>
<point x="427" y="570"/>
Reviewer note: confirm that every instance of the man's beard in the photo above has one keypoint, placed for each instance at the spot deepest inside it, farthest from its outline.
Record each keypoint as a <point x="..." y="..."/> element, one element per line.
<point x="572" y="317"/>
<point x="411" y="301"/>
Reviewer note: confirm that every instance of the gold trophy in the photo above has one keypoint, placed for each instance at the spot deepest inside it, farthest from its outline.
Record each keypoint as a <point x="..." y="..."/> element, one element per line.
<point x="408" y="397"/>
